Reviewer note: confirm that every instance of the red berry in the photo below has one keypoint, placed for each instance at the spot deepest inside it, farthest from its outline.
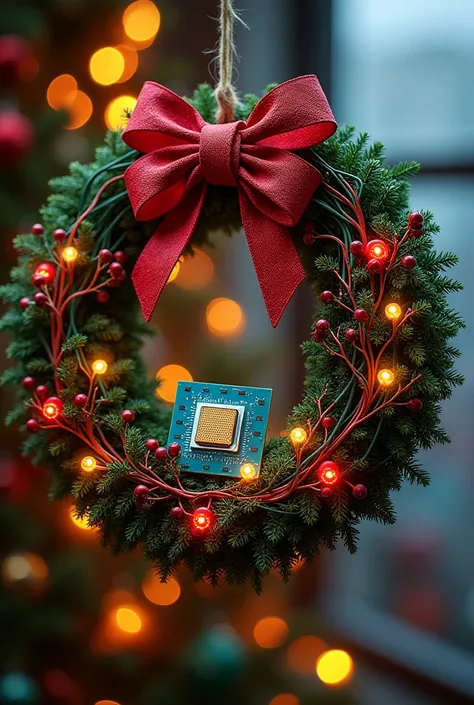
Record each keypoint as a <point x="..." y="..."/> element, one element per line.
<point x="357" y="248"/>
<point x="42" y="392"/>
<point x="141" y="494"/>
<point x="28" y="383"/>
<point x="116" y="270"/>
<point x="416" y="232"/>
<point x="322" y="324"/>
<point x="151" y="444"/>
<point x="60" y="235"/>
<point x="174" y="449"/>
<point x="374" y="266"/>
<point x="105" y="256"/>
<point x="45" y="270"/>
<point x="32" y="426"/>
<point x="161" y="453"/>
<point x="361" y="315"/>
<point x="319" y="335"/>
<point x="326" y="492"/>
<point x="359" y="491"/>
<point x="120" y="257"/>
<point x="409" y="262"/>
<point x="40" y="299"/>
<point x="328" y="422"/>
<point x="37" y="229"/>
<point x="415" y="405"/>
<point x="80" y="400"/>
<point x="415" y="220"/>
<point x="24" y="302"/>
<point x="176" y="512"/>
<point x="103" y="297"/>
<point x="309" y="238"/>
<point x="38" y="280"/>
<point x="128" y="416"/>
<point x="351" y="335"/>
<point x="327" y="297"/>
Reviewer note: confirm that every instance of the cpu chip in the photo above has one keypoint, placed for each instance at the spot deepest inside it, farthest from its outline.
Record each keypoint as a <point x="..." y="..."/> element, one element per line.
<point x="216" y="426"/>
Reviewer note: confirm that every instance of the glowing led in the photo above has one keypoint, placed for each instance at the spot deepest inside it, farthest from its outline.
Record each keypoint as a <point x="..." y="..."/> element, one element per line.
<point x="69" y="254"/>
<point x="334" y="667"/>
<point x="99" y="367"/>
<point x="385" y="377"/>
<point x="298" y="435"/>
<point x="128" y="620"/>
<point x="45" y="270"/>
<point x="248" y="471"/>
<point x="88" y="463"/>
<point x="377" y="249"/>
<point x="52" y="407"/>
<point x="202" y="519"/>
<point x="393" y="311"/>
<point x="141" y="20"/>
<point x="328" y="472"/>
<point x="107" y="65"/>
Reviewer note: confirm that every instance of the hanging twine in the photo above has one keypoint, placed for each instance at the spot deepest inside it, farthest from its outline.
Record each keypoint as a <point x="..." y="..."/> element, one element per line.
<point x="225" y="92"/>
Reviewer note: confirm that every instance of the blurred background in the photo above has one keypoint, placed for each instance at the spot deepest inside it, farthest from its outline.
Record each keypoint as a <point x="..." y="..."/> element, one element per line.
<point x="393" y="625"/>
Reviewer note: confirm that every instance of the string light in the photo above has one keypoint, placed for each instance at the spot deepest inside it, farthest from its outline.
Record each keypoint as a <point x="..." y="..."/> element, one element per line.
<point x="88" y="463"/>
<point x="298" y="435"/>
<point x="80" y="111"/>
<point x="169" y="376"/>
<point x="52" y="407"/>
<point x="69" y="254"/>
<point x="61" y="92"/>
<point x="141" y="21"/>
<point x="116" y="111"/>
<point x="328" y="472"/>
<point x="106" y="66"/>
<point x="270" y="632"/>
<point x="393" y="311"/>
<point x="248" y="471"/>
<point x="377" y="249"/>
<point x="202" y="520"/>
<point x="128" y="620"/>
<point x="385" y="377"/>
<point x="334" y="667"/>
<point x="163" y="594"/>
<point x="225" y="318"/>
<point x="99" y="367"/>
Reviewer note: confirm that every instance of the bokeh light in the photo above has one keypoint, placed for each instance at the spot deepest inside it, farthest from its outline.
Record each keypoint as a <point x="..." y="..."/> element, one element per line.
<point x="174" y="272"/>
<point x="80" y="522"/>
<point x="270" y="632"/>
<point x="116" y="111"/>
<point x="334" y="667"/>
<point x="170" y="375"/>
<point x="196" y="271"/>
<point x="107" y="702"/>
<point x="163" y="594"/>
<point x="80" y="111"/>
<point x="130" y="57"/>
<point x="284" y="699"/>
<point x="62" y="91"/>
<point x="303" y="653"/>
<point x="225" y="318"/>
<point x="107" y="65"/>
<point x="128" y="620"/>
<point x="141" y="21"/>
<point x="23" y="566"/>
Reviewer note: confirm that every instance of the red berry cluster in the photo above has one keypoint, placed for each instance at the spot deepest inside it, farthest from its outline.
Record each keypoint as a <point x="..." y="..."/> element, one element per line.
<point x="415" y="224"/>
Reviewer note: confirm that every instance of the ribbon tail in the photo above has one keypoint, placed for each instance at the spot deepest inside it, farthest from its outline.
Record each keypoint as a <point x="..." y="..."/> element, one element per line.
<point x="164" y="248"/>
<point x="277" y="265"/>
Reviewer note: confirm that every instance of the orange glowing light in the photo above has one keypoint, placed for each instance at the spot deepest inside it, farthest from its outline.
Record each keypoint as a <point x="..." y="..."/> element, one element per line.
<point x="107" y="65"/>
<point x="128" y="620"/>
<point x="393" y="311"/>
<point x="284" y="699"/>
<point x="225" y="318"/>
<point x="334" y="667"/>
<point x="116" y="112"/>
<point x="328" y="472"/>
<point x="174" y="272"/>
<point x="80" y="522"/>
<point x="385" y="377"/>
<point x="99" y="367"/>
<point x="130" y="57"/>
<point x="196" y="272"/>
<point x="170" y="375"/>
<point x="303" y="653"/>
<point x="88" y="463"/>
<point x="141" y="21"/>
<point x="248" y="471"/>
<point x="203" y="519"/>
<point x="107" y="702"/>
<point x="80" y="111"/>
<point x="298" y="435"/>
<point x="377" y="249"/>
<point x="270" y="632"/>
<point x="69" y="254"/>
<point x="163" y="594"/>
<point x="52" y="408"/>
<point x="61" y="91"/>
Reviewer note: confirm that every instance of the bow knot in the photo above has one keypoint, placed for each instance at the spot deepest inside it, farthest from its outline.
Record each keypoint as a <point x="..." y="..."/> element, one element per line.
<point x="182" y="154"/>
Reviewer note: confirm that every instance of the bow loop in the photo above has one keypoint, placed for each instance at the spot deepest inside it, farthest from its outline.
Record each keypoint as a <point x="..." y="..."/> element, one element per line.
<point x="182" y="154"/>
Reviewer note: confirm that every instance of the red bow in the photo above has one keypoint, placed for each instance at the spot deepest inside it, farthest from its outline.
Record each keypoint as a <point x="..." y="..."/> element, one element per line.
<point x="183" y="154"/>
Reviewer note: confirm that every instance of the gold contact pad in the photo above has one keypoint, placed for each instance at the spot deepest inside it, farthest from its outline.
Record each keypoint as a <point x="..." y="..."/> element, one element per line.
<point x="216" y="426"/>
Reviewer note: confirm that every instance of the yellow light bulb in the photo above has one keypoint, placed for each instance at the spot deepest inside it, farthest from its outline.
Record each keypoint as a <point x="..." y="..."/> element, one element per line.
<point x="393" y="311"/>
<point x="99" y="367"/>
<point x="88" y="463"/>
<point x="248" y="471"/>
<point x="70" y="254"/>
<point x="385" y="377"/>
<point x="298" y="436"/>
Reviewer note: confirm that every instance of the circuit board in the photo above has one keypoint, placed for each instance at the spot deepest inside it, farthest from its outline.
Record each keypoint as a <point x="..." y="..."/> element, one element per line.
<point x="220" y="428"/>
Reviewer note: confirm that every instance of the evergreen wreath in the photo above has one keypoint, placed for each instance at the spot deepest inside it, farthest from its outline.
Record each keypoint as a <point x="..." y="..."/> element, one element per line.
<point x="378" y="364"/>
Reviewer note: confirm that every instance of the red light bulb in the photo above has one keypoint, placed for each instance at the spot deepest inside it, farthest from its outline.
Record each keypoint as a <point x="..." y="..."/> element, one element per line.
<point x="52" y="407"/>
<point x="45" y="270"/>
<point x="377" y="249"/>
<point x="328" y="472"/>
<point x="202" y="519"/>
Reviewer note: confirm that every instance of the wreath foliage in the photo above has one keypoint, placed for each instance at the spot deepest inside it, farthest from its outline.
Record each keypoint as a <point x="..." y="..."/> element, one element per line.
<point x="250" y="537"/>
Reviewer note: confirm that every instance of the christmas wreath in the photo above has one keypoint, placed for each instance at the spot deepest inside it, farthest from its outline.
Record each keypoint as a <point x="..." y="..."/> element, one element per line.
<point x="379" y="360"/>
